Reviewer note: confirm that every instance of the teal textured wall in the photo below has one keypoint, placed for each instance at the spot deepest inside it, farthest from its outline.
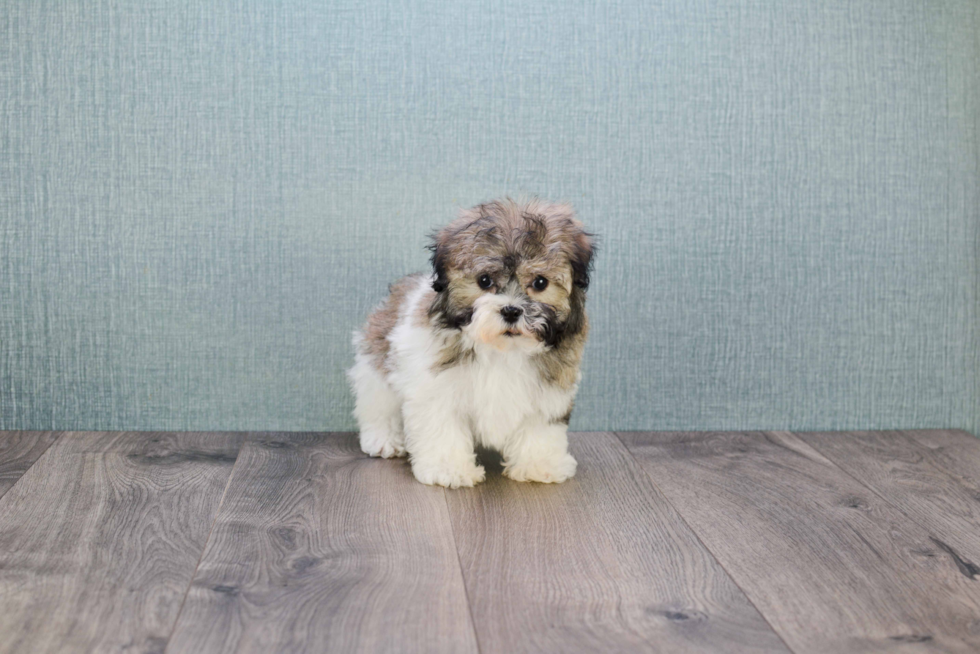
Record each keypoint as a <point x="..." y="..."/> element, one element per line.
<point x="200" y="200"/>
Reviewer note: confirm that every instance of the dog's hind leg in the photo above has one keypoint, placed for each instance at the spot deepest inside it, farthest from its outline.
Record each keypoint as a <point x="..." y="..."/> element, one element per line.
<point x="378" y="410"/>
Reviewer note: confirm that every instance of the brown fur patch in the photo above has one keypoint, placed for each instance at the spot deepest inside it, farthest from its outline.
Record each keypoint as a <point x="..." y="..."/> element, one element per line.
<point x="384" y="318"/>
<point x="560" y="365"/>
<point x="452" y="351"/>
<point x="421" y="316"/>
<point x="567" y="418"/>
<point x="463" y="289"/>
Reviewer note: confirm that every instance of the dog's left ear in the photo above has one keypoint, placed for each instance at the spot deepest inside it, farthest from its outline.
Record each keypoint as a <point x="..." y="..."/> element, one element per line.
<point x="581" y="257"/>
<point x="438" y="260"/>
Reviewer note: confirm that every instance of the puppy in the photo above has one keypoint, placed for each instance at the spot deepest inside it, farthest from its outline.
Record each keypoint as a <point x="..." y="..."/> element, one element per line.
<point x="483" y="351"/>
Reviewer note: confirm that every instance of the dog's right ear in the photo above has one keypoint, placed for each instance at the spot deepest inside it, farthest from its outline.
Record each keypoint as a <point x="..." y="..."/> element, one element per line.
<point x="581" y="257"/>
<point x="438" y="259"/>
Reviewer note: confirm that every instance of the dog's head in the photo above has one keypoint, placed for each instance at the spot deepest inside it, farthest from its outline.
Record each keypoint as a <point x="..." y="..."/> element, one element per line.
<point x="513" y="274"/>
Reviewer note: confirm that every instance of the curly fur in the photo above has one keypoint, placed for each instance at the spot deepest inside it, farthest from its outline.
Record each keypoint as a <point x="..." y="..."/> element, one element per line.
<point x="440" y="368"/>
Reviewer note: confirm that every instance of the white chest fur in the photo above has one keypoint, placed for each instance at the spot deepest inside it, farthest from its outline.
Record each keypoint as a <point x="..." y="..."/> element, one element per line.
<point x="497" y="392"/>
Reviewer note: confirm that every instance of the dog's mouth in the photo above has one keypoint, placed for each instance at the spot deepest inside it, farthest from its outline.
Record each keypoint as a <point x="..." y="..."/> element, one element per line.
<point x="512" y="332"/>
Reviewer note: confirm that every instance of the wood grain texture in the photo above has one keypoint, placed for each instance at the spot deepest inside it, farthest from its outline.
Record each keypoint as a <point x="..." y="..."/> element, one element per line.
<point x="18" y="452"/>
<point x="831" y="566"/>
<point x="955" y="452"/>
<point x="318" y="548"/>
<point x="938" y="487"/>
<point x="100" y="538"/>
<point x="601" y="563"/>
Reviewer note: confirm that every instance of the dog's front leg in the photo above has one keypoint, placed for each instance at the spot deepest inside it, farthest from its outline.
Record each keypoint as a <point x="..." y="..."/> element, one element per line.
<point x="539" y="452"/>
<point x="440" y="445"/>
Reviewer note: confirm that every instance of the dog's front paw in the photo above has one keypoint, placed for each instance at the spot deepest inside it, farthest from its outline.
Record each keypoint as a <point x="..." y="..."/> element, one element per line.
<point x="460" y="475"/>
<point x="377" y="442"/>
<point x="547" y="471"/>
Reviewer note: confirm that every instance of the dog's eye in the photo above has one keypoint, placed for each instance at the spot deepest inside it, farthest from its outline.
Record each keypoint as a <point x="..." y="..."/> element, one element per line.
<point x="539" y="283"/>
<point x="484" y="281"/>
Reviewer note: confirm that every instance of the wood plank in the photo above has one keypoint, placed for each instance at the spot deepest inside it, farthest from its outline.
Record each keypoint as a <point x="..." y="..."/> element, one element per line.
<point x="100" y="538"/>
<point x="18" y="452"/>
<point x="955" y="452"/>
<point x="922" y="482"/>
<point x="318" y="548"/>
<point x="601" y="563"/>
<point x="832" y="566"/>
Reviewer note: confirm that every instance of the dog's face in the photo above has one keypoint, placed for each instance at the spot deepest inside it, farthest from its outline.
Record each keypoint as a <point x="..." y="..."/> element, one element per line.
<point x="513" y="275"/>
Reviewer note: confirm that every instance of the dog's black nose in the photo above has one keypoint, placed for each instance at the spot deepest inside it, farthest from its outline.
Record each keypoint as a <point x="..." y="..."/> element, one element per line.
<point x="511" y="313"/>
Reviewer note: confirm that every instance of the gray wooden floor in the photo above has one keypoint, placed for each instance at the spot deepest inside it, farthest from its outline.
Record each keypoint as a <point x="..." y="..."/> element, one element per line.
<point x="664" y="542"/>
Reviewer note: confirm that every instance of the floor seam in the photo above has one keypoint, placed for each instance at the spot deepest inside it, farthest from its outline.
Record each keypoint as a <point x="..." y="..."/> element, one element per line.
<point x="207" y="541"/>
<point x="462" y="577"/>
<point x="43" y="454"/>
<point x="703" y="544"/>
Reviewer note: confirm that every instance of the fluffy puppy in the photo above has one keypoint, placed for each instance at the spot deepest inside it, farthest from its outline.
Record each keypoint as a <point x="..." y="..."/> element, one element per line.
<point x="485" y="350"/>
